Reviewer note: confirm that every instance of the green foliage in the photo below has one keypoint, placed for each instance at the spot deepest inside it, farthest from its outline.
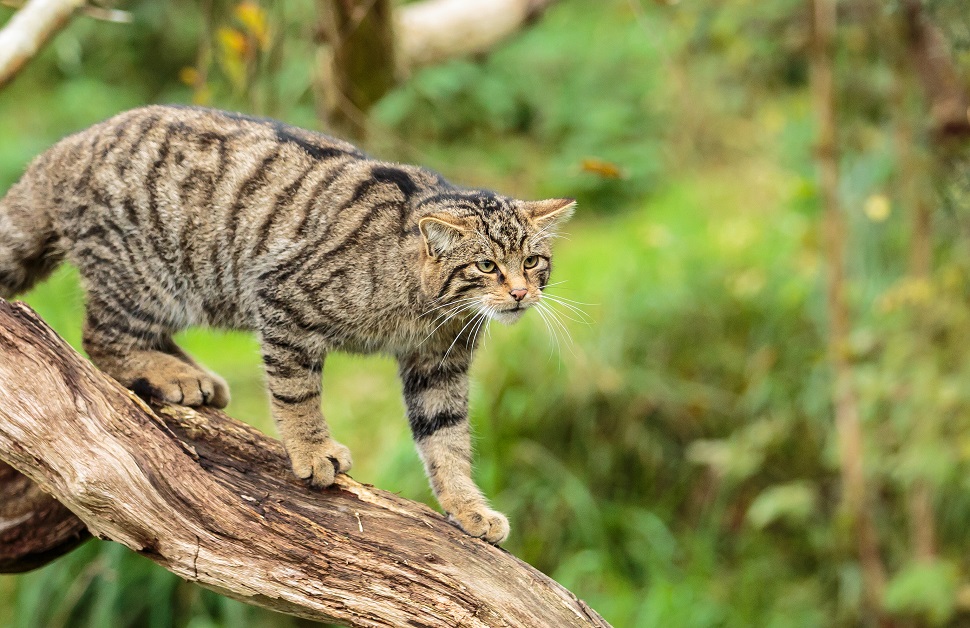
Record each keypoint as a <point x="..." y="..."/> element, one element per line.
<point x="672" y="460"/>
<point x="927" y="591"/>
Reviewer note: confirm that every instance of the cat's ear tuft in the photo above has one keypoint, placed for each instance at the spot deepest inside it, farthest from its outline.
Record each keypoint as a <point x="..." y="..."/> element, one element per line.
<point x="550" y="212"/>
<point x="441" y="233"/>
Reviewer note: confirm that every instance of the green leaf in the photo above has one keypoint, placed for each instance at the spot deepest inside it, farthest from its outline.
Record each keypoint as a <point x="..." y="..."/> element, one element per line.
<point x="792" y="502"/>
<point x="925" y="590"/>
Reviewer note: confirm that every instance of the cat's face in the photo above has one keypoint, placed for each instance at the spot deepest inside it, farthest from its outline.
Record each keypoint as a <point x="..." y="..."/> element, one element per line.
<point x="489" y="255"/>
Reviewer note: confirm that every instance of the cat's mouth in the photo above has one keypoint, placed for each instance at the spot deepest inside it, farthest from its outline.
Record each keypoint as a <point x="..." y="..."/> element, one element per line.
<point x="510" y="315"/>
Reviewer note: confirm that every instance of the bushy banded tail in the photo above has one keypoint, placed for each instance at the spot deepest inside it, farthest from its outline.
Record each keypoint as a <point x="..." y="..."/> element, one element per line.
<point x="28" y="250"/>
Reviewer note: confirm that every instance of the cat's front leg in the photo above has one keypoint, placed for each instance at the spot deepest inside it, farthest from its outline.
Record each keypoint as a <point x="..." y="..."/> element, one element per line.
<point x="293" y="375"/>
<point x="436" y="394"/>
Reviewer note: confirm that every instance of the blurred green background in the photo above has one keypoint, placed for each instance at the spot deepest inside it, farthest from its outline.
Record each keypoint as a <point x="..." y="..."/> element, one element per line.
<point x="673" y="461"/>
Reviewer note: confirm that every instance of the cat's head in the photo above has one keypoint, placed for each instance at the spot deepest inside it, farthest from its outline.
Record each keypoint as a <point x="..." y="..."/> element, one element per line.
<point x="488" y="254"/>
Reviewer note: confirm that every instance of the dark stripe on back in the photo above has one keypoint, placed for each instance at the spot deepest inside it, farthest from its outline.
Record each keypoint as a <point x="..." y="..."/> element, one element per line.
<point x="285" y="134"/>
<point x="321" y="186"/>
<point x="146" y="128"/>
<point x="285" y="196"/>
<point x="293" y="135"/>
<point x="396" y="176"/>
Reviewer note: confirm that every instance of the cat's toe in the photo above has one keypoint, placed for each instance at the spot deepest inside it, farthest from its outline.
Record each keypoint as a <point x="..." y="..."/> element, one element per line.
<point x="183" y="386"/>
<point x="319" y="463"/>
<point x="218" y="391"/>
<point x="195" y="390"/>
<point x="483" y="523"/>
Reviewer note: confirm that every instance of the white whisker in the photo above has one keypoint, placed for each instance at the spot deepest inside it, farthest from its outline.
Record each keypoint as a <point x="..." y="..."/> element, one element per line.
<point x="551" y="331"/>
<point x="458" y="335"/>
<point x="562" y="298"/>
<point x="456" y="301"/>
<point x="584" y="318"/>
<point x="555" y="283"/>
<point x="451" y="315"/>
<point x="488" y="313"/>
<point x="555" y="317"/>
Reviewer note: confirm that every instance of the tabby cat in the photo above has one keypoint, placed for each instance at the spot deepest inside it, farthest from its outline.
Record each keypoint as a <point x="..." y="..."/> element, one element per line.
<point x="179" y="216"/>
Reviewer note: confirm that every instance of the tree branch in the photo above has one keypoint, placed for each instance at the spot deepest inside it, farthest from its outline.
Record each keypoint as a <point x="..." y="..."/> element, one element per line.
<point x="28" y="30"/>
<point x="214" y="501"/>
<point x="433" y="31"/>
<point x="366" y="47"/>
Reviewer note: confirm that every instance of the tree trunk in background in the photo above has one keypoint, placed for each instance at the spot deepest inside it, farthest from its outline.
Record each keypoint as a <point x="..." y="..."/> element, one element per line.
<point x="855" y="499"/>
<point x="366" y="47"/>
<point x="215" y="502"/>
<point x="932" y="59"/>
<point x="355" y="62"/>
<point x="912" y="174"/>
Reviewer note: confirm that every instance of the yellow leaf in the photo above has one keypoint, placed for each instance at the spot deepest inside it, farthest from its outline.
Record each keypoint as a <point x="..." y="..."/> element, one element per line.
<point x="189" y="76"/>
<point x="603" y="168"/>
<point x="232" y="41"/>
<point x="253" y="18"/>
<point x="877" y="207"/>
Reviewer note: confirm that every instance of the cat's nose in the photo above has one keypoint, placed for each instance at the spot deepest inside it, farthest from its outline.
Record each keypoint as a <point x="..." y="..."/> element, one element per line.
<point x="519" y="293"/>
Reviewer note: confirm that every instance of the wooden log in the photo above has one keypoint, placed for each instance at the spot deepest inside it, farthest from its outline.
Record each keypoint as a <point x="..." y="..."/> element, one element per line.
<point x="213" y="500"/>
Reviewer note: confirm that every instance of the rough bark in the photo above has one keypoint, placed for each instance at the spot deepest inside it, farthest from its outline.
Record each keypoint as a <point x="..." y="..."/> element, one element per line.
<point x="34" y="527"/>
<point x="214" y="501"/>
<point x="28" y="30"/>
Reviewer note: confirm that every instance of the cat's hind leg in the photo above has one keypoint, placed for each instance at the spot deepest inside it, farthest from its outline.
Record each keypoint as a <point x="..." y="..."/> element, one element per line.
<point x="138" y="351"/>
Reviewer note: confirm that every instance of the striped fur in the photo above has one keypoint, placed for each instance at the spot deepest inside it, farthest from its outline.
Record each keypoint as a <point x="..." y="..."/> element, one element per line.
<point x="180" y="216"/>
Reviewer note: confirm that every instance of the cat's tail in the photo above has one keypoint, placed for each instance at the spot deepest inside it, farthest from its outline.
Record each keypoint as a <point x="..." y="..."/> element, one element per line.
<point x="28" y="244"/>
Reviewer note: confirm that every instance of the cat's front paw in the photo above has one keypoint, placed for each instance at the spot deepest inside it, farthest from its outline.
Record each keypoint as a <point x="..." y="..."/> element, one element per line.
<point x="319" y="463"/>
<point x="483" y="523"/>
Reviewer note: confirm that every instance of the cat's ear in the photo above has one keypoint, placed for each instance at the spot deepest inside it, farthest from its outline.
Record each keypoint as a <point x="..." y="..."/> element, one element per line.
<point x="549" y="213"/>
<point x="441" y="233"/>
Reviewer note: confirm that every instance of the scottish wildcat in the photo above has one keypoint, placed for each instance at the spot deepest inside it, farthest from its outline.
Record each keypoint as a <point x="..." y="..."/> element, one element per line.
<point x="179" y="216"/>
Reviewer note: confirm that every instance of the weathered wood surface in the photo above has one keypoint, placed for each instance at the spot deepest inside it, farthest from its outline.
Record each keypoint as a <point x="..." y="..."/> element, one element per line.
<point x="34" y="527"/>
<point x="213" y="501"/>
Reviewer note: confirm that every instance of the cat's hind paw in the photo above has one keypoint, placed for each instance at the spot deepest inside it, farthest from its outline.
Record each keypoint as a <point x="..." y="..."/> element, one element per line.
<point x="483" y="523"/>
<point x="174" y="381"/>
<point x="319" y="463"/>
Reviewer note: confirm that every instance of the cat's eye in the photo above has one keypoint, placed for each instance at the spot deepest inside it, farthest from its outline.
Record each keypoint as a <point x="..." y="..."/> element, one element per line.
<point x="486" y="266"/>
<point x="531" y="261"/>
